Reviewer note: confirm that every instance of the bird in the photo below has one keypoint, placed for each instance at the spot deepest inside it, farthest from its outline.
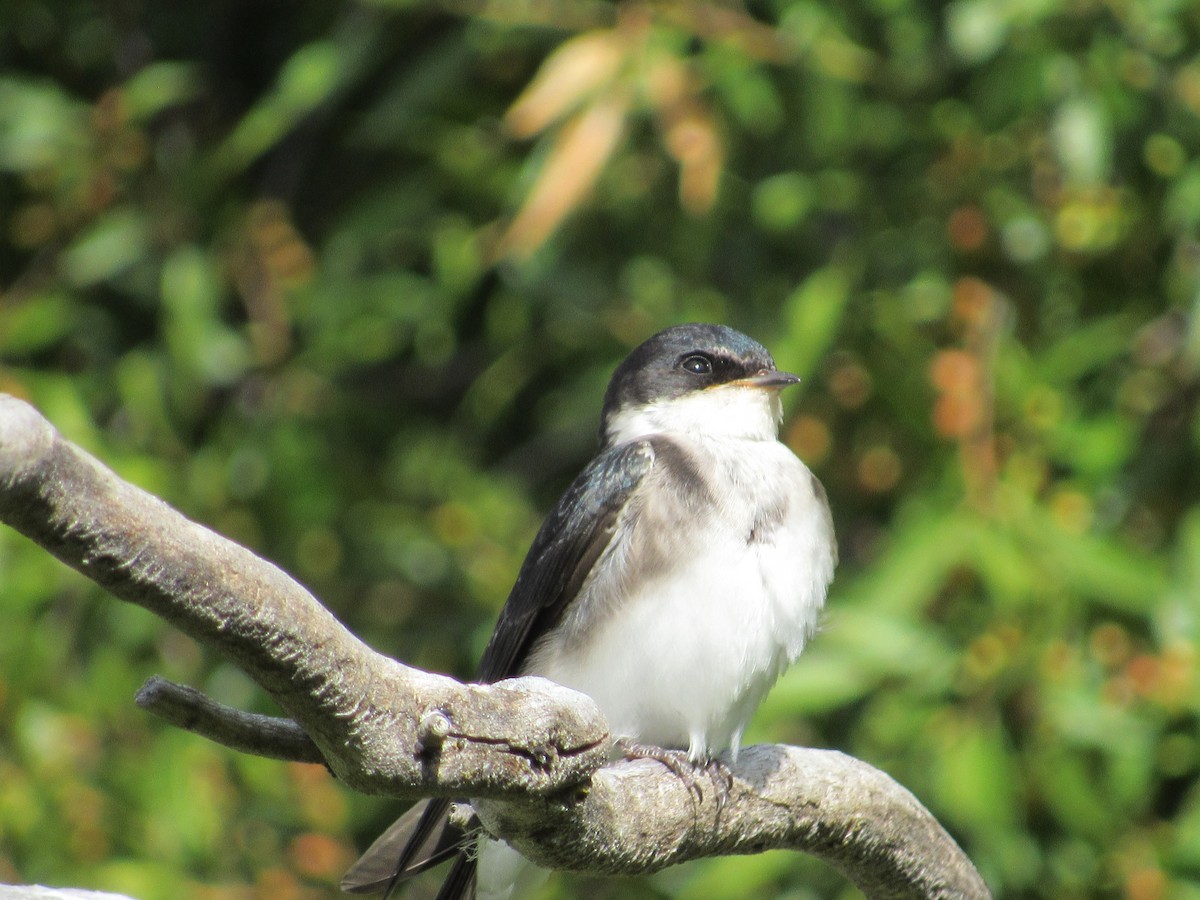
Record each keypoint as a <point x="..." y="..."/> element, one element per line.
<point x="678" y="576"/>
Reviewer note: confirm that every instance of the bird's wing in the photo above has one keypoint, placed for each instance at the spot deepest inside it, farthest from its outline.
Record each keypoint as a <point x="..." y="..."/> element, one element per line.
<point x="418" y="840"/>
<point x="572" y="538"/>
<point x="566" y="547"/>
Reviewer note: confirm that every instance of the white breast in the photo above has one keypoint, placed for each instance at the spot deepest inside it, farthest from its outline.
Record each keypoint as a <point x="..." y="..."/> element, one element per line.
<point x="683" y="657"/>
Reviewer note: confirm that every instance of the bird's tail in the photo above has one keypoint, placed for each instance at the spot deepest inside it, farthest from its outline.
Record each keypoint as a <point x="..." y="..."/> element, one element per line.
<point x="418" y="840"/>
<point x="460" y="883"/>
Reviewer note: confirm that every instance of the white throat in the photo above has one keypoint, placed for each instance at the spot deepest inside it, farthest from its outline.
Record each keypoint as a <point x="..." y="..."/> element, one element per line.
<point x="726" y="410"/>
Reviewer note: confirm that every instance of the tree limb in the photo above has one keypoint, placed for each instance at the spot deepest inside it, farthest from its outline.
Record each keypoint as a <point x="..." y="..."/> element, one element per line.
<point x="41" y="892"/>
<point x="192" y="710"/>
<point x="362" y="710"/>
<point x="632" y="820"/>
<point x="525" y="747"/>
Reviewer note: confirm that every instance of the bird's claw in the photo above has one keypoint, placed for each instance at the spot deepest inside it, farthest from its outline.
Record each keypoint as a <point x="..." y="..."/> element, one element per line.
<point x="685" y="768"/>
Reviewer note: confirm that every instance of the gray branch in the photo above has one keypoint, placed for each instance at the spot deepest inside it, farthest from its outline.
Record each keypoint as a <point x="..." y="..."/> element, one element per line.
<point x="530" y="751"/>
<point x="192" y="710"/>
<point x="363" y="711"/>
<point x="41" y="892"/>
<point x="853" y="816"/>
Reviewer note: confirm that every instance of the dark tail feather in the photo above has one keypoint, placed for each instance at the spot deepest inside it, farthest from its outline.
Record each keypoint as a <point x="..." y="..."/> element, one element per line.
<point x="460" y="883"/>
<point x="418" y="840"/>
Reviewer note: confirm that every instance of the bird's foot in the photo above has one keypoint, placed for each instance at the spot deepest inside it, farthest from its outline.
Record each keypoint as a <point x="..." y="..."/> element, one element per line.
<point x="722" y="777"/>
<point x="685" y="768"/>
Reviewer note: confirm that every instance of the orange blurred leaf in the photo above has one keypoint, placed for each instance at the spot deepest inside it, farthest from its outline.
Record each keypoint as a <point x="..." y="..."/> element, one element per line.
<point x="693" y="140"/>
<point x="580" y="151"/>
<point x="689" y="131"/>
<point x="577" y="69"/>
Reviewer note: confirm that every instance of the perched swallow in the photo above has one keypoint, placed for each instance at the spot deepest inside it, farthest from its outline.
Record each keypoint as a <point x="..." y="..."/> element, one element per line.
<point x="678" y="576"/>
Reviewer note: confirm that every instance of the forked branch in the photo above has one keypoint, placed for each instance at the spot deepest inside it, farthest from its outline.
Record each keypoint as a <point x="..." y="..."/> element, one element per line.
<point x="532" y="752"/>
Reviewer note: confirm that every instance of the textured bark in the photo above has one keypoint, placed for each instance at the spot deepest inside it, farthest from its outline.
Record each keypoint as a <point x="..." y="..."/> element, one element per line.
<point x="634" y="819"/>
<point x="530" y="751"/>
<point x="375" y="722"/>
<point x="187" y="708"/>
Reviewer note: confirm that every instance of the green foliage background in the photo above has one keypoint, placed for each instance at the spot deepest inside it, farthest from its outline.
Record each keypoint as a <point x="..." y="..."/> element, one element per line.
<point x="251" y="257"/>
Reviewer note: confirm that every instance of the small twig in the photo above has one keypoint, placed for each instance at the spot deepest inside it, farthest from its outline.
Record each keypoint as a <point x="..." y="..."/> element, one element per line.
<point x="192" y="710"/>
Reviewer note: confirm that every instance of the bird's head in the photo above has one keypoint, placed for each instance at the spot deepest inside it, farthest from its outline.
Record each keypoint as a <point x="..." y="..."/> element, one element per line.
<point x="695" y="379"/>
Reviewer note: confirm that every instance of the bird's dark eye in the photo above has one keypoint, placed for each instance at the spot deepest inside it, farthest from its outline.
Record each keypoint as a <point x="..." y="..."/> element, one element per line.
<point x="697" y="364"/>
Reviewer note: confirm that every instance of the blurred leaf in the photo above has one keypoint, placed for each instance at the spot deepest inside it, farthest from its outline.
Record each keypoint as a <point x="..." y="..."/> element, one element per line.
<point x="1097" y="447"/>
<point x="730" y="877"/>
<point x="1005" y="565"/>
<point x="159" y="86"/>
<point x="931" y="542"/>
<point x="117" y="240"/>
<point x="40" y="125"/>
<point x="1066" y="787"/>
<point x="1085" y="349"/>
<point x="976" y="28"/>
<point x="194" y="334"/>
<point x="36" y="323"/>
<point x="309" y="77"/>
<point x="572" y="165"/>
<point x="813" y="311"/>
<point x="782" y="201"/>
<point x="973" y="772"/>
<point x="1083" y="140"/>
<point x="1098" y="567"/>
<point x="824" y="680"/>
<point x="577" y="69"/>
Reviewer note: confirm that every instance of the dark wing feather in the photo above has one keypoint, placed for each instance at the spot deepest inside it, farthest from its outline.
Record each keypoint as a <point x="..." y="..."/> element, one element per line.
<point x="568" y="544"/>
<point x="418" y="840"/>
<point x="460" y="883"/>
<point x="572" y="538"/>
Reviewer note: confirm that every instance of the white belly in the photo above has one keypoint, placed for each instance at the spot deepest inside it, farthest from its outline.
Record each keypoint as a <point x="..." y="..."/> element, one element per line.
<point x="683" y="659"/>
